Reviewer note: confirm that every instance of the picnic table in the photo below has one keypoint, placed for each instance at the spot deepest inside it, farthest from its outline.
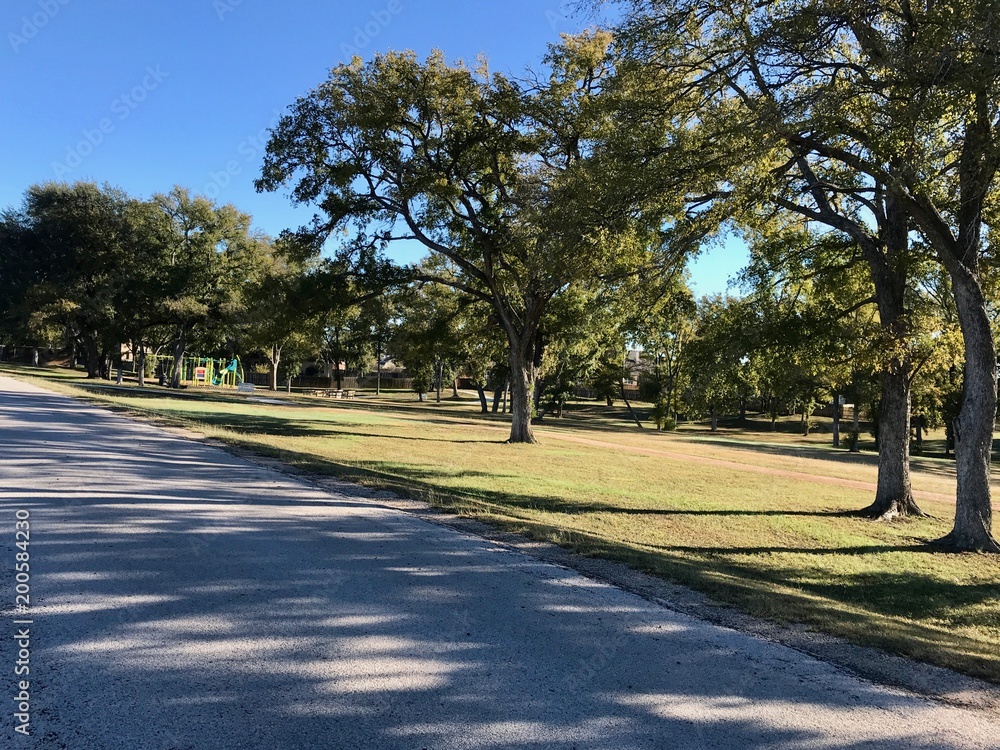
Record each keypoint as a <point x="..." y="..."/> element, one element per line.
<point x="332" y="393"/>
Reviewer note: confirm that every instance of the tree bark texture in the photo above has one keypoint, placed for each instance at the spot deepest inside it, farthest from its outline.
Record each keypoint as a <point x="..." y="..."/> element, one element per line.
<point x="894" y="495"/>
<point x="973" y="530"/>
<point x="522" y="386"/>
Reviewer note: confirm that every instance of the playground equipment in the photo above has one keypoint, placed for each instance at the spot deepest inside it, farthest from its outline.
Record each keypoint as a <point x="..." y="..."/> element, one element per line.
<point x="199" y="371"/>
<point x="230" y="376"/>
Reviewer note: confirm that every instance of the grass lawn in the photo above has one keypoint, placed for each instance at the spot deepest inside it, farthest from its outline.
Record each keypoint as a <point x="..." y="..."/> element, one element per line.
<point x="754" y="519"/>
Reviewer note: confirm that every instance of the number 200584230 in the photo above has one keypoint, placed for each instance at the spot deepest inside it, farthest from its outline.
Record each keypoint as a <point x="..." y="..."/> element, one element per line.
<point x="22" y="538"/>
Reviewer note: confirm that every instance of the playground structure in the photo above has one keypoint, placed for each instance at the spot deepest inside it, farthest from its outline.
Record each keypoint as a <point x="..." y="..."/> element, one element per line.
<point x="198" y="371"/>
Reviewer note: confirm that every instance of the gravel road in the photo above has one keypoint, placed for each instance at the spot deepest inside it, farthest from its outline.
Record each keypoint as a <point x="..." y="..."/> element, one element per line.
<point x="183" y="598"/>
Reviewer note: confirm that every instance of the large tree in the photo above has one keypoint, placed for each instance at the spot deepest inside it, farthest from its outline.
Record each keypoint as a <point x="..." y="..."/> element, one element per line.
<point x="210" y="256"/>
<point x="278" y="316"/>
<point x="68" y="244"/>
<point x="493" y="175"/>
<point x="903" y="101"/>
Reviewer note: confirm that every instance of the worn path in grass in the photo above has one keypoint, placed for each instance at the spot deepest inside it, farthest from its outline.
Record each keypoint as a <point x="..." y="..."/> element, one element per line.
<point x="185" y="598"/>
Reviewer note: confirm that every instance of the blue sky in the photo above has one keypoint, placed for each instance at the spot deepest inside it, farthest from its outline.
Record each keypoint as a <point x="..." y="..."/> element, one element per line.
<point x="146" y="95"/>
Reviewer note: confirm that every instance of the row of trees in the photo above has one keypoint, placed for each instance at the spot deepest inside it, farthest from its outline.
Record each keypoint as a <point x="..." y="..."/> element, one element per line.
<point x="871" y="128"/>
<point x="90" y="269"/>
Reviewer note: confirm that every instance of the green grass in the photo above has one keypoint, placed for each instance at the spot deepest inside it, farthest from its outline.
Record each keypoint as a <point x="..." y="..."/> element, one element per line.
<point x="717" y="512"/>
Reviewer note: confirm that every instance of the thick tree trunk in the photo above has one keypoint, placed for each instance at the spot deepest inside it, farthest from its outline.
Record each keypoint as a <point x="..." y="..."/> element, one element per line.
<point x="894" y="496"/>
<point x="339" y="377"/>
<point x="483" y="403"/>
<point x="522" y="387"/>
<point x="454" y="388"/>
<point x="180" y="344"/>
<point x="93" y="356"/>
<point x="974" y="426"/>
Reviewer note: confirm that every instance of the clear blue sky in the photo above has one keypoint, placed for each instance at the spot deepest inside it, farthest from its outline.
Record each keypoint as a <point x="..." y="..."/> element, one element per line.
<point x="146" y="95"/>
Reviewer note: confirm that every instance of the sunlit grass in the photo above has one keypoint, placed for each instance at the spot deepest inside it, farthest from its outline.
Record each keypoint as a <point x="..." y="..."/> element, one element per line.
<point x="715" y="515"/>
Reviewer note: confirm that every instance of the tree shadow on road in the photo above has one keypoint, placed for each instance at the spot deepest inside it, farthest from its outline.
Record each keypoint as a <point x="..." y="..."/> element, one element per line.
<point x="186" y="599"/>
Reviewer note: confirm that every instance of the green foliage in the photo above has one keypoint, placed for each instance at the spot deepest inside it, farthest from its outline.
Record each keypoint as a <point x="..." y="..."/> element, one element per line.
<point x="502" y="181"/>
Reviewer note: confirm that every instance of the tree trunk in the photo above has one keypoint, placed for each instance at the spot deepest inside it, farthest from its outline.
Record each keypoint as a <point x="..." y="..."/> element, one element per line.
<point x="836" y="420"/>
<point x="378" y="370"/>
<point x="522" y="386"/>
<point x="621" y="384"/>
<point x="274" y="361"/>
<point x="140" y="360"/>
<point x="856" y="427"/>
<point x="483" y="404"/>
<point x="454" y="388"/>
<point x="440" y="377"/>
<point x="974" y="426"/>
<point x="715" y="419"/>
<point x="506" y="393"/>
<point x="180" y="344"/>
<point x="93" y="356"/>
<point x="339" y="377"/>
<point x="894" y="496"/>
<point x="34" y="356"/>
<point x="918" y="421"/>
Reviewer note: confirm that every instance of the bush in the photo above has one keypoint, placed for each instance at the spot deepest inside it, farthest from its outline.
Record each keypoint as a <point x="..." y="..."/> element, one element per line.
<point x="661" y="415"/>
